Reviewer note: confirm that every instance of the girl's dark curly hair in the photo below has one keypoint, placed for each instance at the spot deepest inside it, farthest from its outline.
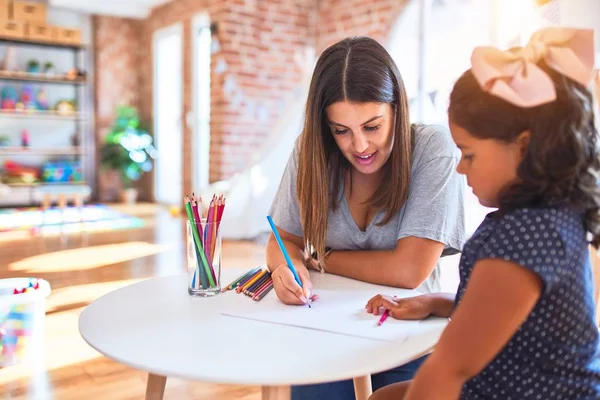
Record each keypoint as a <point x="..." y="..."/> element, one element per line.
<point x="561" y="165"/>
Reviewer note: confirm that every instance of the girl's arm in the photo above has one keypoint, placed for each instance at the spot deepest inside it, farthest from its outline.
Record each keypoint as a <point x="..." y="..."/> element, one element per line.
<point x="498" y="299"/>
<point x="407" y="266"/>
<point x="419" y="307"/>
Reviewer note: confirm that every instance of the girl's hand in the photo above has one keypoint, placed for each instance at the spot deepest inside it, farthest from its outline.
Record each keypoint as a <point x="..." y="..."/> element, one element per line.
<point x="411" y="308"/>
<point x="288" y="290"/>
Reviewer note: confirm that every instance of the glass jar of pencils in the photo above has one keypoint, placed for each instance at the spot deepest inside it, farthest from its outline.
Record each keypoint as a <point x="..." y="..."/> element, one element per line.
<point x="203" y="258"/>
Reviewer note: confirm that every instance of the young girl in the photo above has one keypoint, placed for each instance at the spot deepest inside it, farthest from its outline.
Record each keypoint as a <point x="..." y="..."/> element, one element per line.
<point x="383" y="196"/>
<point x="523" y="319"/>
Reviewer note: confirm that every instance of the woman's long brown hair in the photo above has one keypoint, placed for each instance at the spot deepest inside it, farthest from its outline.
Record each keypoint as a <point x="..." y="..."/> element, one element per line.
<point x="360" y="70"/>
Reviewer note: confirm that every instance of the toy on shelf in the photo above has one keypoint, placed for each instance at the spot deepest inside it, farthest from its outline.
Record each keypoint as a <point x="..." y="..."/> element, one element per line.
<point x="42" y="100"/>
<point x="15" y="173"/>
<point x="33" y="66"/>
<point x="25" y="138"/>
<point x="75" y="73"/>
<point x="27" y="98"/>
<point x="62" y="171"/>
<point x="9" y="98"/>
<point x="4" y="141"/>
<point x="65" y="107"/>
<point x="75" y="140"/>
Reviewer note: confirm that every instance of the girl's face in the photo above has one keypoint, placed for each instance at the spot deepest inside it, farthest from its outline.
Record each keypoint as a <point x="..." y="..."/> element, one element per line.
<point x="488" y="164"/>
<point x="363" y="133"/>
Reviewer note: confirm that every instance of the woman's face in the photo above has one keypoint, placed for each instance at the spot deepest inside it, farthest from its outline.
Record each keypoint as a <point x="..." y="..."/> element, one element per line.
<point x="363" y="133"/>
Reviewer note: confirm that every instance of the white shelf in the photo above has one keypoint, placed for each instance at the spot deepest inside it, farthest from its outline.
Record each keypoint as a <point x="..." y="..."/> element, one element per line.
<point x="39" y="115"/>
<point x="50" y="184"/>
<point x="22" y="76"/>
<point x="28" y="151"/>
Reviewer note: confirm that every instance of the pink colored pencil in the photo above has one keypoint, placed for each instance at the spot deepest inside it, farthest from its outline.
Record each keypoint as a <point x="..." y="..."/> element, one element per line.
<point x="384" y="316"/>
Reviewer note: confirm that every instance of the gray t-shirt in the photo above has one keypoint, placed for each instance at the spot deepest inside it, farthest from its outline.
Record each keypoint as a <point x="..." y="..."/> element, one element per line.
<point x="434" y="208"/>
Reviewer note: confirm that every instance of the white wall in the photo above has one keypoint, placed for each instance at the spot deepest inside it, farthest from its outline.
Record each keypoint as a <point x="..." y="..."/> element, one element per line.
<point x="582" y="14"/>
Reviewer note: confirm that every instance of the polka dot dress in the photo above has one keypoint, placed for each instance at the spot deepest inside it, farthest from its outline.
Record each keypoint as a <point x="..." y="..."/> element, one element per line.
<point x="555" y="353"/>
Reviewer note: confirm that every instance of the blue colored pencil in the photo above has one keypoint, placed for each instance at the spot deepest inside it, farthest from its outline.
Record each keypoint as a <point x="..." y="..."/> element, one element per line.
<point x="284" y="252"/>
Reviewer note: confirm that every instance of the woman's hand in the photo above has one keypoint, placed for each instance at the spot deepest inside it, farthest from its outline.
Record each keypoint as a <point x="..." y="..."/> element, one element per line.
<point x="288" y="290"/>
<point x="419" y="307"/>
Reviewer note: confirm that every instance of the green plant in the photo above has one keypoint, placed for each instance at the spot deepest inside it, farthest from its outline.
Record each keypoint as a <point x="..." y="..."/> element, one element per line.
<point x="33" y="65"/>
<point x="128" y="147"/>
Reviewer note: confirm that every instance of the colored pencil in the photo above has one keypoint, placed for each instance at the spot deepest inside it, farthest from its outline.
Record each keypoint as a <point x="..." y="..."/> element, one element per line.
<point x="285" y="253"/>
<point x="246" y="279"/>
<point x="259" y="289"/>
<point x="258" y="284"/>
<point x="250" y="289"/>
<point x="198" y="224"/>
<point x="213" y="230"/>
<point x="262" y="294"/>
<point x="265" y="284"/>
<point x="199" y="248"/>
<point x="251" y="281"/>
<point x="384" y="316"/>
<point x="230" y="286"/>
<point x="247" y="274"/>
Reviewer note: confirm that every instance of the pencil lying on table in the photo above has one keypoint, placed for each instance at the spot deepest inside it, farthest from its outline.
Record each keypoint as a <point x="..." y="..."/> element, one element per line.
<point x="256" y="283"/>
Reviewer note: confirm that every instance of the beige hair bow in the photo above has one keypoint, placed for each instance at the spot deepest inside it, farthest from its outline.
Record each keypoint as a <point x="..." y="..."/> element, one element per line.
<point x="514" y="75"/>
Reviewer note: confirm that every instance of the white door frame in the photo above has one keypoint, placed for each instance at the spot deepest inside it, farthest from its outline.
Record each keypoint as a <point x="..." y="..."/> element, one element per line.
<point x="200" y="165"/>
<point x="161" y="33"/>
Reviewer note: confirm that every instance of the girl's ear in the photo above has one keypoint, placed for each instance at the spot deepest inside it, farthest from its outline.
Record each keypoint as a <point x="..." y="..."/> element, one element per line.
<point x="523" y="142"/>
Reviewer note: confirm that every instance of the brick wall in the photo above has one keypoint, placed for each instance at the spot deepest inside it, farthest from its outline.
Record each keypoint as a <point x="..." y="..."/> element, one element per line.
<point x="258" y="41"/>
<point x="338" y="19"/>
<point x="117" y="44"/>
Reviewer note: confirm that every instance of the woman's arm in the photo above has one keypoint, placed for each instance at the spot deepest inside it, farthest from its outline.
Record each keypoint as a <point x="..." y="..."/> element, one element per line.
<point x="498" y="299"/>
<point x="284" y="282"/>
<point x="407" y="266"/>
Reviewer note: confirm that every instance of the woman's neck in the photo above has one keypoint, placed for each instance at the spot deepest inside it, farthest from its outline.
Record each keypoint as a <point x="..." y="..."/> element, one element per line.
<point x="362" y="185"/>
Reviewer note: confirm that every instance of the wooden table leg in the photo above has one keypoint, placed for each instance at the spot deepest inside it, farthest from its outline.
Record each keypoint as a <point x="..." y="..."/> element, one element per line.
<point x="155" y="388"/>
<point x="276" y="393"/>
<point x="362" y="387"/>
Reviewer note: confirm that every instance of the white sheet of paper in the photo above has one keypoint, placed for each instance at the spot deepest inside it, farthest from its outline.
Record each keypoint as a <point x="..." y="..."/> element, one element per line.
<point x="336" y="311"/>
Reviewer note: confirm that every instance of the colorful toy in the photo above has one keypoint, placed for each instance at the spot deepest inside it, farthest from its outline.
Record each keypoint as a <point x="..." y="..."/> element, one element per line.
<point x="18" y="173"/>
<point x="27" y="97"/>
<point x="9" y="98"/>
<point x="62" y="171"/>
<point x="75" y="73"/>
<point x="65" y="107"/>
<point x="25" y="138"/>
<point x="42" y="100"/>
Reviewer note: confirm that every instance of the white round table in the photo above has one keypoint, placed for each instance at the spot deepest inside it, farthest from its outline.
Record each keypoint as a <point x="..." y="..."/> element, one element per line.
<point x="155" y="326"/>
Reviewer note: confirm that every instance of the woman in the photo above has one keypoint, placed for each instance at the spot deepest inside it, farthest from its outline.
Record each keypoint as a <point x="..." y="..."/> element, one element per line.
<point x="364" y="195"/>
